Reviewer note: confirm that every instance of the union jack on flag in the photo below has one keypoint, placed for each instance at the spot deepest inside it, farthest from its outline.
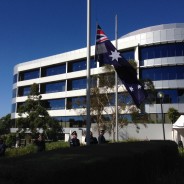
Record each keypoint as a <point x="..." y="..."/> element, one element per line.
<point x="100" y="36"/>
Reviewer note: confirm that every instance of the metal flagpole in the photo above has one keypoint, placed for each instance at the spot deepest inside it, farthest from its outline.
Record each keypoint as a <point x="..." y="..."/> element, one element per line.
<point x="88" y="123"/>
<point x="116" y="80"/>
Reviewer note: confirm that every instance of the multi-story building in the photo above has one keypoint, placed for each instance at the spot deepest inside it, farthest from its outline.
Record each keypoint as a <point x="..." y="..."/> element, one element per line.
<point x="158" y="52"/>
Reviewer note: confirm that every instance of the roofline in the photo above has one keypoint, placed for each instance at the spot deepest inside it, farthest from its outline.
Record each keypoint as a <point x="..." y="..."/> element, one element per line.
<point x="155" y="28"/>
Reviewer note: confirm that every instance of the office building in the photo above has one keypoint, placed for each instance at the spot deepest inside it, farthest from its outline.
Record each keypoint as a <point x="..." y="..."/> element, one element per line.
<point x="157" y="50"/>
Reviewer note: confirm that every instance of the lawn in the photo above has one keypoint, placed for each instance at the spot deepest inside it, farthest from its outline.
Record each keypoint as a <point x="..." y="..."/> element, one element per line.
<point x="152" y="162"/>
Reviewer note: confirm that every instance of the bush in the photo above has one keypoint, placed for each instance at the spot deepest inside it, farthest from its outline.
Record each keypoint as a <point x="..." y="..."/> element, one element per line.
<point x="10" y="140"/>
<point x="56" y="145"/>
<point x="31" y="148"/>
<point x="14" y="152"/>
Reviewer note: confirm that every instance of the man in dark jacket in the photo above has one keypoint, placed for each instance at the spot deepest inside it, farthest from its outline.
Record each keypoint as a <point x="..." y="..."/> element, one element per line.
<point x="74" y="140"/>
<point x="101" y="138"/>
<point x="92" y="140"/>
<point x="40" y="143"/>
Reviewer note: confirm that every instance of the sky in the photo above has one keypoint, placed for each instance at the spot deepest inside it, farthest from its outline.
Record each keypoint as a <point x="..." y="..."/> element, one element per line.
<point x="33" y="29"/>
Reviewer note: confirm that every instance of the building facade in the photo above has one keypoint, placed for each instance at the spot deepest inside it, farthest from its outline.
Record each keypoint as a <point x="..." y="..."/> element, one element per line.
<point x="157" y="50"/>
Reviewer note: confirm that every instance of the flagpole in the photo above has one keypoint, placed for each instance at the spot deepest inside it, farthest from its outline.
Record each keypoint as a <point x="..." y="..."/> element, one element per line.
<point x="88" y="119"/>
<point x="116" y="80"/>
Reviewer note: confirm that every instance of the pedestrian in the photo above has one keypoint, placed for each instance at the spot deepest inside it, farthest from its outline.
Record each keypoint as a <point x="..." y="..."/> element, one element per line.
<point x="40" y="143"/>
<point x="74" y="141"/>
<point x="17" y="144"/>
<point x="101" y="138"/>
<point x="92" y="139"/>
<point x="2" y="147"/>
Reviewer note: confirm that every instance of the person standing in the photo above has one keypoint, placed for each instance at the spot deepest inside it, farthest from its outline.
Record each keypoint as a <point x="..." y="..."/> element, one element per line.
<point x="92" y="140"/>
<point x="17" y="144"/>
<point x="74" y="141"/>
<point x="101" y="138"/>
<point x="40" y="143"/>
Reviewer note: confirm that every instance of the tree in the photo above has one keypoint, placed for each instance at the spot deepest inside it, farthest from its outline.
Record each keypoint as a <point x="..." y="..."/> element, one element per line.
<point x="33" y="114"/>
<point x="5" y="124"/>
<point x="173" y="114"/>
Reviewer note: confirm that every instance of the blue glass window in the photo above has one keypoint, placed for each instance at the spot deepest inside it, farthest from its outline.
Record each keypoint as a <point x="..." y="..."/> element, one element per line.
<point x="14" y="92"/>
<point x="13" y="108"/>
<point x="27" y="75"/>
<point x="53" y="87"/>
<point x="54" y="104"/>
<point x="93" y="82"/>
<point x="160" y="51"/>
<point x="162" y="73"/>
<point x="72" y="121"/>
<point x="77" y="66"/>
<point x="24" y="91"/>
<point x="14" y="78"/>
<point x="54" y="70"/>
<point x="93" y="63"/>
<point x="128" y="55"/>
<point x="79" y="84"/>
<point x="170" y="96"/>
<point x="76" y="84"/>
<point x="124" y="98"/>
<point x="76" y="102"/>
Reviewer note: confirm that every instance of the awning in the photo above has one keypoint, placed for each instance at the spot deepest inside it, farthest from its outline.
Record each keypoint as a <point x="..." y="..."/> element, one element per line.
<point x="179" y="124"/>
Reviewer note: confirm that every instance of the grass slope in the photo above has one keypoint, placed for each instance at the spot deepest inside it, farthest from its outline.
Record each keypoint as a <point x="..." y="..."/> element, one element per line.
<point x="144" y="162"/>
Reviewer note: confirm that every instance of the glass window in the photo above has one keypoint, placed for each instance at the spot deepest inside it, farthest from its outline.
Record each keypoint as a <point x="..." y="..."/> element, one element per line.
<point x="14" y="93"/>
<point x="76" y="84"/>
<point x="160" y="51"/>
<point x="76" y="102"/>
<point x="93" y="63"/>
<point x="53" y="87"/>
<point x="14" y="78"/>
<point x="124" y="98"/>
<point x="72" y="121"/>
<point x="54" y="104"/>
<point x="24" y="91"/>
<point x="79" y="84"/>
<point x="162" y="73"/>
<point x="27" y="75"/>
<point x="179" y="49"/>
<point x="93" y="81"/>
<point x="77" y="66"/>
<point x="13" y="108"/>
<point x="172" y="96"/>
<point x="128" y="55"/>
<point x="54" y="70"/>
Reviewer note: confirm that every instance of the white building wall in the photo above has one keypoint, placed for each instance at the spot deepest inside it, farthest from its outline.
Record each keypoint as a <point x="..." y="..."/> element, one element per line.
<point x="131" y="132"/>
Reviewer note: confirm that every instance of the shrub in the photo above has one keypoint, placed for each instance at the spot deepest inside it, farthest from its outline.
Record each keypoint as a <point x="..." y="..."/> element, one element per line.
<point x="10" y="140"/>
<point x="31" y="148"/>
<point x="56" y="145"/>
<point x="14" y="152"/>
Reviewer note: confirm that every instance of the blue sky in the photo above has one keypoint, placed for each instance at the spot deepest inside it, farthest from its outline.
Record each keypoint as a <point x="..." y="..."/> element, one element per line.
<point x="33" y="29"/>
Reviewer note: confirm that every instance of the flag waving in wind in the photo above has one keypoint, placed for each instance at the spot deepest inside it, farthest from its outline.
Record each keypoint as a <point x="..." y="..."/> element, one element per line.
<point x="106" y="53"/>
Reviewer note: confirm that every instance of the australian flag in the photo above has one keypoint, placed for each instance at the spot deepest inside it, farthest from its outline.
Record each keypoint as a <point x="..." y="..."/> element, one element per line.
<point x="106" y="53"/>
